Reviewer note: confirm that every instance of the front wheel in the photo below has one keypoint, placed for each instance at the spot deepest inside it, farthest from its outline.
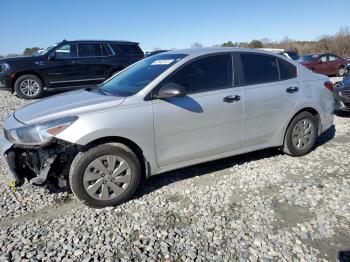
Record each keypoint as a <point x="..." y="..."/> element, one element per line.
<point x="301" y="135"/>
<point x="29" y="87"/>
<point x="105" y="175"/>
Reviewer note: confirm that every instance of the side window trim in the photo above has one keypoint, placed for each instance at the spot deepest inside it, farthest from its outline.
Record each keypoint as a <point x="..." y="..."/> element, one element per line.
<point x="155" y="89"/>
<point x="108" y="45"/>
<point x="279" y="70"/>
<point x="241" y="72"/>
<point x="63" y="44"/>
<point x="100" y="44"/>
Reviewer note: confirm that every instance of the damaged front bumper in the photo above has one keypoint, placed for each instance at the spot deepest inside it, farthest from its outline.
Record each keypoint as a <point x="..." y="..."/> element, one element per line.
<point x="37" y="164"/>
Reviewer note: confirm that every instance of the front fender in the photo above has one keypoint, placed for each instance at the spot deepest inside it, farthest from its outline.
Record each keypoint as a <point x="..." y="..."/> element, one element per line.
<point x="134" y="123"/>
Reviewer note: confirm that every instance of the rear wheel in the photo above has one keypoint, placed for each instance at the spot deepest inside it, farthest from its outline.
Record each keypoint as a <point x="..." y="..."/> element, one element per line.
<point x="301" y="135"/>
<point x="105" y="175"/>
<point x="29" y="87"/>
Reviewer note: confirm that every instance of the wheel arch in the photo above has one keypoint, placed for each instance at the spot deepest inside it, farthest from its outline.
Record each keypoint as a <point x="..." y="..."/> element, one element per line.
<point x="27" y="72"/>
<point x="145" y="166"/>
<point x="312" y="111"/>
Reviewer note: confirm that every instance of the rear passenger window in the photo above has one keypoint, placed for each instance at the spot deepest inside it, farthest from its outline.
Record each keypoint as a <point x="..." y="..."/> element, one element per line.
<point x="105" y="50"/>
<point x="259" y="68"/>
<point x="127" y="49"/>
<point x="332" y="58"/>
<point x="287" y="70"/>
<point x="89" y="50"/>
<point x="205" y="74"/>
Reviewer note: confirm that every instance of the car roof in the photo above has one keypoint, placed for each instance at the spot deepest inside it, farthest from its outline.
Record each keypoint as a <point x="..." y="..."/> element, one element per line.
<point x="313" y="54"/>
<point x="101" y="41"/>
<point x="213" y="50"/>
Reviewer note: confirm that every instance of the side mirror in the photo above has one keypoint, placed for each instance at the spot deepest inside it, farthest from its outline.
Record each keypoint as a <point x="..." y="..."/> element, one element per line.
<point x="320" y="61"/>
<point x="171" y="90"/>
<point x="51" y="56"/>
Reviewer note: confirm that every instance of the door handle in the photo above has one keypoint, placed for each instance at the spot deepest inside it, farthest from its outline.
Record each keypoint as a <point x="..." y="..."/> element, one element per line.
<point x="231" y="99"/>
<point x="73" y="62"/>
<point x="292" y="89"/>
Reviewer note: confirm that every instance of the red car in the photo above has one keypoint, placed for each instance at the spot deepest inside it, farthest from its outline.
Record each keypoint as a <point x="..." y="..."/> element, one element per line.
<point x="326" y="64"/>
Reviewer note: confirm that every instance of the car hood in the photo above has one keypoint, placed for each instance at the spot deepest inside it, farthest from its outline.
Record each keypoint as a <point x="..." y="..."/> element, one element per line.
<point x="19" y="59"/>
<point x="73" y="103"/>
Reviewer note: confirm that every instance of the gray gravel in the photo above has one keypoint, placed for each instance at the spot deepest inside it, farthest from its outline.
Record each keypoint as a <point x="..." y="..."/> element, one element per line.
<point x="262" y="206"/>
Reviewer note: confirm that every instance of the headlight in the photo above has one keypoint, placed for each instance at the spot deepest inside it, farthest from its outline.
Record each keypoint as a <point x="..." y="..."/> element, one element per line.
<point x="5" y="67"/>
<point x="39" y="134"/>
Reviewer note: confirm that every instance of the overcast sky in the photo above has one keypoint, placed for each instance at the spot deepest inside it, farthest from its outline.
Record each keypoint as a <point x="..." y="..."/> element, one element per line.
<point x="166" y="24"/>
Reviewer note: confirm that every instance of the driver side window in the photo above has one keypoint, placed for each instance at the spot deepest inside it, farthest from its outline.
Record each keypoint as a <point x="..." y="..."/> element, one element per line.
<point x="323" y="58"/>
<point x="205" y="74"/>
<point x="66" y="51"/>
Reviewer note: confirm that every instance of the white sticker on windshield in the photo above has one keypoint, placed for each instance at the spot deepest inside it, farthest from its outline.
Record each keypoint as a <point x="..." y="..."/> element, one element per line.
<point x="163" y="62"/>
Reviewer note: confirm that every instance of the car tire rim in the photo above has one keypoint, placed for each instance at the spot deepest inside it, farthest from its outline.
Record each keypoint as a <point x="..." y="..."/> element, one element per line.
<point x="302" y="134"/>
<point x="107" y="177"/>
<point x="29" y="87"/>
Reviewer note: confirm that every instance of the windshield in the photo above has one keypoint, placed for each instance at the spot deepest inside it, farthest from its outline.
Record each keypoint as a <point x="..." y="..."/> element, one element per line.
<point x="136" y="77"/>
<point x="308" y="58"/>
<point x="44" y="51"/>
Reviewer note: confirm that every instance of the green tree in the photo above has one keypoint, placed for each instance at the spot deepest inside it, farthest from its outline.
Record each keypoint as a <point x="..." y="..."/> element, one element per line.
<point x="229" y="44"/>
<point x="256" y="44"/>
<point x="30" y="50"/>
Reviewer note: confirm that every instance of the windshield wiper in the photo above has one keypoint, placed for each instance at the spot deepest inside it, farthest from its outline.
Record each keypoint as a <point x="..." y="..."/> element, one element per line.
<point x="101" y="90"/>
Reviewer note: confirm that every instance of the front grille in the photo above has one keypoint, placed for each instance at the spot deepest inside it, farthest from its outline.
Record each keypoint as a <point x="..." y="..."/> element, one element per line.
<point x="346" y="93"/>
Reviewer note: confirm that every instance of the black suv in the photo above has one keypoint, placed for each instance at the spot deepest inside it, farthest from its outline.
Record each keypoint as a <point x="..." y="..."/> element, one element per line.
<point x="67" y="64"/>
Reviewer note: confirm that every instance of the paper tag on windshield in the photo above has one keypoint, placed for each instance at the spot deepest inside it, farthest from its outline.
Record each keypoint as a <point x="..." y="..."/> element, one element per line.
<point x="163" y="62"/>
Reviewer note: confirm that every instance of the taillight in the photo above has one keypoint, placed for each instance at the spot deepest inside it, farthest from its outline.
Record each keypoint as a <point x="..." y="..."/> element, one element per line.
<point x="329" y="85"/>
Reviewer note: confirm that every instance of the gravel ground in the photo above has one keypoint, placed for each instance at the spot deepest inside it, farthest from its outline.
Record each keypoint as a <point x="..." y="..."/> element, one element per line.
<point x="262" y="206"/>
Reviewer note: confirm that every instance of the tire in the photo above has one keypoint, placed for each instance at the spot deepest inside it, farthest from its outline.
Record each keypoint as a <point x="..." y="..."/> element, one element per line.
<point x="83" y="168"/>
<point x="300" y="145"/>
<point x="29" y="87"/>
<point x="341" y="71"/>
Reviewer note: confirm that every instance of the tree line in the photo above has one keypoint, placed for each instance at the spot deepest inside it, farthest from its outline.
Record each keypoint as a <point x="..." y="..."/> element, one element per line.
<point x="338" y="43"/>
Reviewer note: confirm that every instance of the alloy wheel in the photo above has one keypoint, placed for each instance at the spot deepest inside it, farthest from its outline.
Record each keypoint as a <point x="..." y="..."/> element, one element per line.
<point x="29" y="87"/>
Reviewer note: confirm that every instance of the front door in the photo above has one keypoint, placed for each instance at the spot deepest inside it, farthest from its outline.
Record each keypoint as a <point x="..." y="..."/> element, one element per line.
<point x="207" y="121"/>
<point x="62" y="69"/>
<point x="271" y="90"/>
<point x="323" y="66"/>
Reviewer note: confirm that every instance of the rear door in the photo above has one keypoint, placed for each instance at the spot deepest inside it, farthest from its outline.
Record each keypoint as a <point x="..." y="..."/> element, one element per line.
<point x="93" y="64"/>
<point x="271" y="91"/>
<point x="333" y="61"/>
<point x="126" y="53"/>
<point x="207" y="121"/>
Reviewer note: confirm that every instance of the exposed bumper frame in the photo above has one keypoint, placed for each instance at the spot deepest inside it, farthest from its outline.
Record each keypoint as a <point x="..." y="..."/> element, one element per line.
<point x="36" y="164"/>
